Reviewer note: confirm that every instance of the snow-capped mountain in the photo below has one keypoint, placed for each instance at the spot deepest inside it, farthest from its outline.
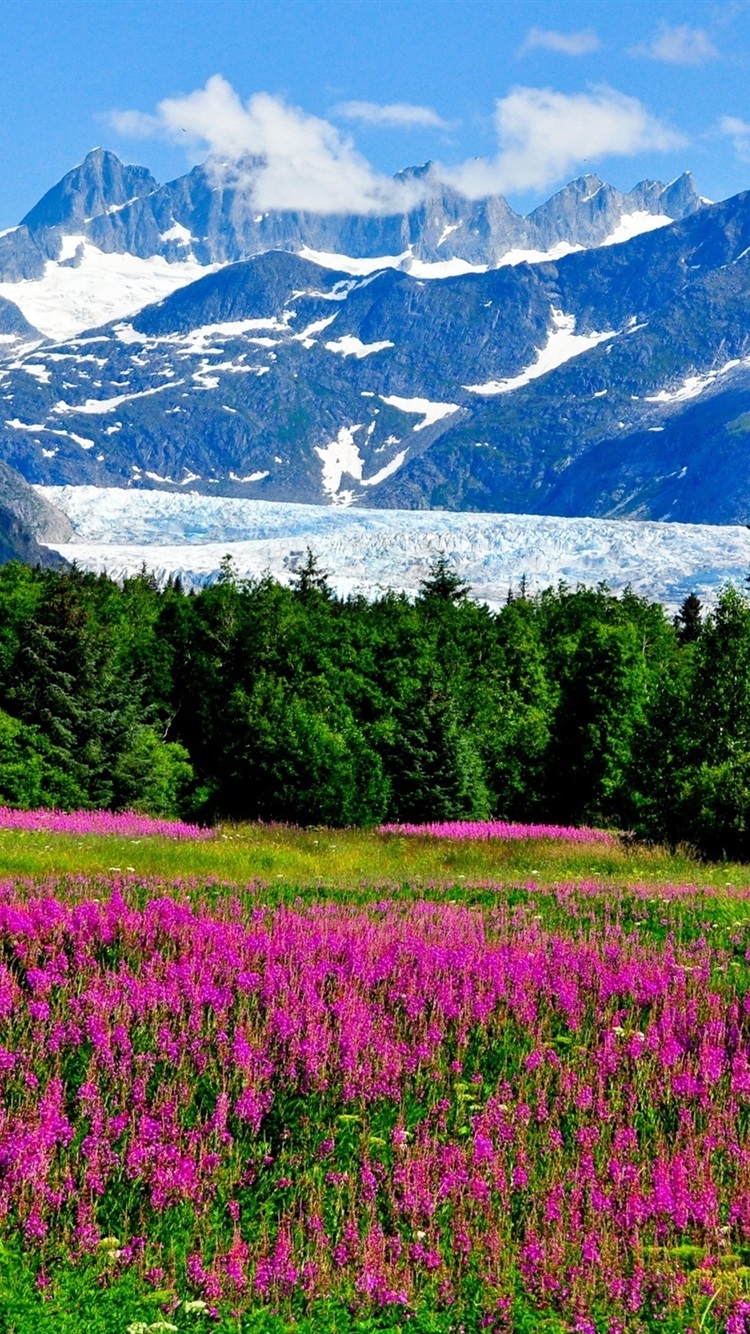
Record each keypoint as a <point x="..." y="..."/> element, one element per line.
<point x="592" y="358"/>
<point x="612" y="381"/>
<point x="108" y="239"/>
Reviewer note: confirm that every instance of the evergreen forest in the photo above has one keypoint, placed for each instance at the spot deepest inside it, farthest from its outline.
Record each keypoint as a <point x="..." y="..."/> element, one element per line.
<point x="254" y="701"/>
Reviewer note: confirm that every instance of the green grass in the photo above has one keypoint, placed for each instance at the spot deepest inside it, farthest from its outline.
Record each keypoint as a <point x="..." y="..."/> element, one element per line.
<point x="354" y="858"/>
<point x="78" y="1302"/>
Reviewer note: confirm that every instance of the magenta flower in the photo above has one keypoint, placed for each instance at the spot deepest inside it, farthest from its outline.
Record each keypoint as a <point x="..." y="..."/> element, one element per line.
<point x="121" y="824"/>
<point x="483" y="829"/>
<point x="384" y="1104"/>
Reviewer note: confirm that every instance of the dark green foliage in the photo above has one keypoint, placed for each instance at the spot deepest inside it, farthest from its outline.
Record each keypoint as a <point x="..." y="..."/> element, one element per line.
<point x="309" y="580"/>
<point x="255" y="701"/>
<point x="435" y="769"/>
<point x="688" y="620"/>
<point x="442" y="583"/>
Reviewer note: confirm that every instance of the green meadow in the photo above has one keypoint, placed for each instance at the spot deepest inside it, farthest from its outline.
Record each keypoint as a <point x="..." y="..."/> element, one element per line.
<point x="352" y="860"/>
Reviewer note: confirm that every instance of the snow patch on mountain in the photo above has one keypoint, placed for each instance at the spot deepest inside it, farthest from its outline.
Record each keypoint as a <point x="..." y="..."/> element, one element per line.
<point x="35" y="369"/>
<point x="118" y="531"/>
<point x="196" y="342"/>
<point x="407" y="261"/>
<point x="13" y="349"/>
<point x="98" y="406"/>
<point x="347" y="264"/>
<point x="562" y="344"/>
<point x="39" y="429"/>
<point x="306" y="336"/>
<point x="559" y="251"/>
<point x="338" y="457"/>
<point x="387" y="471"/>
<point x="694" y="385"/>
<point x="430" y="412"/>
<point x="349" y="346"/>
<point x="634" y="224"/>
<point x="441" y="268"/>
<point x="447" y="230"/>
<point x="87" y="287"/>
<point x="182" y="235"/>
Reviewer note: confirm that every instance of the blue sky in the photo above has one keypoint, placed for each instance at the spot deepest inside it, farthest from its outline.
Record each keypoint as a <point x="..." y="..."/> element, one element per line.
<point x="504" y="95"/>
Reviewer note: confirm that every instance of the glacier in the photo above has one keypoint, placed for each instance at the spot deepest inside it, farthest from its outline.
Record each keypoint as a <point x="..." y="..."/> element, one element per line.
<point x="366" y="551"/>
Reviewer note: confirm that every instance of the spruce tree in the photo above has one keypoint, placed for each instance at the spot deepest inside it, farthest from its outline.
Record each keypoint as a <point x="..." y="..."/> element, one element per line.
<point x="689" y="622"/>
<point x="309" y="580"/>
<point x="442" y="583"/>
<point x="434" y="767"/>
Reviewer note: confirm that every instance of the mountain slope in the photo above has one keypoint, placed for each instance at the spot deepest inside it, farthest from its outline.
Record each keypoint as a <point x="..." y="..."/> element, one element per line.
<point x="28" y="521"/>
<point x="107" y="239"/>
<point x="16" y="334"/>
<point x="583" y="386"/>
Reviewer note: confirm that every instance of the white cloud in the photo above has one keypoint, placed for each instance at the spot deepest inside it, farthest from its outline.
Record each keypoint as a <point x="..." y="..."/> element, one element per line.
<point x="678" y="45"/>
<point x="134" y="124"/>
<point x="739" y="132"/>
<point x="544" y="135"/>
<point x="391" y="114"/>
<point x="563" y="43"/>
<point x="284" y="158"/>
<point x="299" y="161"/>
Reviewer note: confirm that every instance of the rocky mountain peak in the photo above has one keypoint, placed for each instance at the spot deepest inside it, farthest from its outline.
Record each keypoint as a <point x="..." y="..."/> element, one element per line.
<point x="99" y="184"/>
<point x="681" y="196"/>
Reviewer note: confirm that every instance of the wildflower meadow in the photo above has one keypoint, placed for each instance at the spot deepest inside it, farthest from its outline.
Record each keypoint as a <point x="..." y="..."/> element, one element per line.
<point x="445" y="1106"/>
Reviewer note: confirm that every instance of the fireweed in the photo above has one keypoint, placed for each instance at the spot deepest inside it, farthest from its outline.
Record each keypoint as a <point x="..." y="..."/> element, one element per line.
<point x="122" y="824"/>
<point x="477" y="829"/>
<point x="413" y="1103"/>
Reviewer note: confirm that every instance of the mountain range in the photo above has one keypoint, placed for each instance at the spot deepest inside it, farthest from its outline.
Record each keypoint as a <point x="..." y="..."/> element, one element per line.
<point x="208" y="216"/>
<point x="592" y="358"/>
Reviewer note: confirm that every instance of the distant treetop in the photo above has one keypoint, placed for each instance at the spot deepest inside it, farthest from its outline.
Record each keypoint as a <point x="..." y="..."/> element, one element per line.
<point x="442" y="583"/>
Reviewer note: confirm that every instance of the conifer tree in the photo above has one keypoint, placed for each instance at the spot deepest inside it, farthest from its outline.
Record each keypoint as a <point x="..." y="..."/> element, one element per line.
<point x="442" y="583"/>
<point x="309" y="580"/>
<point x="434" y="766"/>
<point x="689" y="621"/>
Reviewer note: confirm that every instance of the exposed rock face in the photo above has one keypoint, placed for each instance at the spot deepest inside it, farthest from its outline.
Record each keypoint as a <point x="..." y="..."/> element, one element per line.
<point x="43" y="520"/>
<point x="17" y="543"/>
<point x="100" y="186"/>
<point x="27" y="520"/>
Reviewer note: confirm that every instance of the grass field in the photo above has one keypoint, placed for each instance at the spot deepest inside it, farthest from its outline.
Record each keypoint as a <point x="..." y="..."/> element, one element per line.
<point x="334" y="1081"/>
<point x="352" y="859"/>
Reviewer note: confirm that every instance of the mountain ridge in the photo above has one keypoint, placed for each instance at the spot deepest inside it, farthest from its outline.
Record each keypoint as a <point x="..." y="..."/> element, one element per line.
<point x="569" y="384"/>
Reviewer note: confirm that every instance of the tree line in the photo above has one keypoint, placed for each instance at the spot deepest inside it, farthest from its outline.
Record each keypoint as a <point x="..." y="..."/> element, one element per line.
<point x="253" y="700"/>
